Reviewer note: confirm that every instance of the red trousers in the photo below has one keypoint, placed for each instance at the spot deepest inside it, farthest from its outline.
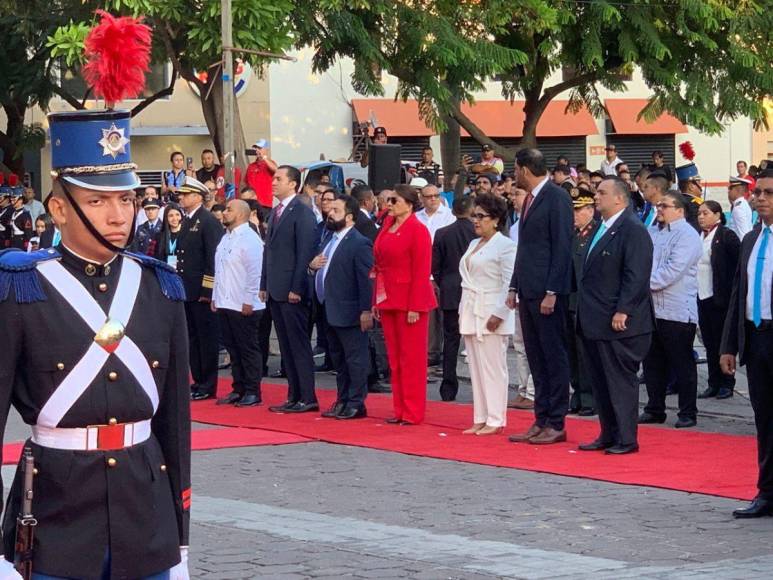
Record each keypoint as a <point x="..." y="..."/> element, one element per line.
<point x="407" y="353"/>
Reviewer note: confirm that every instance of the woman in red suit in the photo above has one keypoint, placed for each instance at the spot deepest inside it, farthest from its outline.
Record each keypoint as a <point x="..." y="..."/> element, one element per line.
<point x="403" y="297"/>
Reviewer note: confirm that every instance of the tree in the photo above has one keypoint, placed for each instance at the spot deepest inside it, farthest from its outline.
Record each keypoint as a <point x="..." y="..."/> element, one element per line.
<point x="705" y="61"/>
<point x="187" y="33"/>
<point x="28" y="76"/>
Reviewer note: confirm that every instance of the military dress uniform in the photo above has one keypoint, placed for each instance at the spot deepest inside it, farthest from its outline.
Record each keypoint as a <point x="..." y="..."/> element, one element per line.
<point x="196" y="245"/>
<point x="95" y="360"/>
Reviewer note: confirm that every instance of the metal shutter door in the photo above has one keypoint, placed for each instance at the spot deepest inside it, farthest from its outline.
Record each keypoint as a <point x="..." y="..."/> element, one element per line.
<point x="551" y="147"/>
<point x="636" y="150"/>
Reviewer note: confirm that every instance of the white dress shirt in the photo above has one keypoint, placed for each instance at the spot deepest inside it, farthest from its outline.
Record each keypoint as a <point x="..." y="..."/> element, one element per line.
<point x="767" y="276"/>
<point x="705" y="273"/>
<point x="537" y="189"/>
<point x="441" y="218"/>
<point x="238" y="263"/>
<point x="742" y="218"/>
<point x="335" y="239"/>
<point x="610" y="167"/>
<point x="514" y="229"/>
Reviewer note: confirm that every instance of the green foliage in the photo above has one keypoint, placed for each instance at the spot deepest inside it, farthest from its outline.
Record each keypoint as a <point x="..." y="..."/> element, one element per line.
<point x="705" y="61"/>
<point x="67" y="43"/>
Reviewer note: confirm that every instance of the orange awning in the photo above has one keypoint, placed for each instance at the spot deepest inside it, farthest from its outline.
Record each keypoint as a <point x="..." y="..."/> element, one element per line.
<point x="624" y="112"/>
<point x="495" y="118"/>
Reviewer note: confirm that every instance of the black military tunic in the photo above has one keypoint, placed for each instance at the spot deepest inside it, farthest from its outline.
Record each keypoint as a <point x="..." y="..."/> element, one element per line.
<point x="20" y="229"/>
<point x="132" y="502"/>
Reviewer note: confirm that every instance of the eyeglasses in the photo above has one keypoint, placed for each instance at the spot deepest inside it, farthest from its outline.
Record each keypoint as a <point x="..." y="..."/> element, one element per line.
<point x="480" y="216"/>
<point x="433" y="196"/>
<point x="662" y="205"/>
<point x="392" y="200"/>
<point x="760" y="192"/>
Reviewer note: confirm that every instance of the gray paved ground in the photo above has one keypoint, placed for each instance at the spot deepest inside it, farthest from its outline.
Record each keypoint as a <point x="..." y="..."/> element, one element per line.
<point x="316" y="510"/>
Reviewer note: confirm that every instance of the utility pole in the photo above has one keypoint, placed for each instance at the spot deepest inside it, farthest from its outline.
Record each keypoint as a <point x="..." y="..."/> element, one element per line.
<point x="228" y="90"/>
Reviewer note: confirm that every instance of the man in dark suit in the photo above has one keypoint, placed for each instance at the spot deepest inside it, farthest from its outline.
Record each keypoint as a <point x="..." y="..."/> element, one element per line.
<point x="748" y="333"/>
<point x="614" y="315"/>
<point x="542" y="280"/>
<point x="342" y="284"/>
<point x="450" y="244"/>
<point x="364" y="223"/>
<point x="196" y="246"/>
<point x="284" y="286"/>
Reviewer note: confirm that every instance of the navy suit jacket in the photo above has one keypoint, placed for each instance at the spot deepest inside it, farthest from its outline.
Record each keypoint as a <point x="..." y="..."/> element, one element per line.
<point x="348" y="290"/>
<point x="734" y="333"/>
<point x="544" y="259"/>
<point x="615" y="277"/>
<point x="290" y="245"/>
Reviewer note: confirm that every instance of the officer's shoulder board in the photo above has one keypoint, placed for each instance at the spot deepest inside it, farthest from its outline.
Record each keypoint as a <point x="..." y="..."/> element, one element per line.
<point x="18" y="270"/>
<point x="170" y="282"/>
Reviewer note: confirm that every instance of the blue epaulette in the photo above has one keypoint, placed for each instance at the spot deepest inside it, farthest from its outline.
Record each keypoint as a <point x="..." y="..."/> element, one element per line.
<point x="168" y="278"/>
<point x="18" y="269"/>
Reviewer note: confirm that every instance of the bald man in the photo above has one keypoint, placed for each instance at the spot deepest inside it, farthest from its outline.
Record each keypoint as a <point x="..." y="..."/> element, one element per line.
<point x="238" y="263"/>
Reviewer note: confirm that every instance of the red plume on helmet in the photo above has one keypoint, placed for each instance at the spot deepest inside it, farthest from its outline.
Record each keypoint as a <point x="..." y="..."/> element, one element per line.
<point x="118" y="55"/>
<point x="13" y="180"/>
<point x="687" y="151"/>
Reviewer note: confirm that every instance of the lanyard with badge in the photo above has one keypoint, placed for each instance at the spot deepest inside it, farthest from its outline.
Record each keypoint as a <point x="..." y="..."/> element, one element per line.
<point x="171" y="257"/>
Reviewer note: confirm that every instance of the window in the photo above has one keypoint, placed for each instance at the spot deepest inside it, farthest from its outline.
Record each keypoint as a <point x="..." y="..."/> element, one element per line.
<point x="156" y="79"/>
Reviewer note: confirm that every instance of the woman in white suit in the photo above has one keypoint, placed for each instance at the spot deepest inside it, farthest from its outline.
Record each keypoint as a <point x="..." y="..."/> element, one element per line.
<point x="485" y="321"/>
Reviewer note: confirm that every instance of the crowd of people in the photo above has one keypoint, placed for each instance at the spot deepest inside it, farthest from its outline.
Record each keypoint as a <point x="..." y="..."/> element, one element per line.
<point x="599" y="279"/>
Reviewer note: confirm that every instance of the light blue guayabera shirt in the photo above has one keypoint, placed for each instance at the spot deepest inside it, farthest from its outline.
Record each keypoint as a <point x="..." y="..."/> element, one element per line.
<point x="674" y="278"/>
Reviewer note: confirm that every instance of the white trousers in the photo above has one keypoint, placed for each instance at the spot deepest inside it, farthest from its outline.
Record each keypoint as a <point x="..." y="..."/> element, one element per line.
<point x="522" y="371"/>
<point x="488" y="374"/>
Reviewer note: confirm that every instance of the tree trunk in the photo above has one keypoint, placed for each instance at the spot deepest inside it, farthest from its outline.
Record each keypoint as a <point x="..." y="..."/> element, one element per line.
<point x="533" y="109"/>
<point x="10" y="140"/>
<point x="450" y="149"/>
<point x="212" y="108"/>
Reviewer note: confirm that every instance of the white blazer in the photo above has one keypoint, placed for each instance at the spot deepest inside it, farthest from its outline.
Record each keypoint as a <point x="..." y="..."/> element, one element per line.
<point x="485" y="282"/>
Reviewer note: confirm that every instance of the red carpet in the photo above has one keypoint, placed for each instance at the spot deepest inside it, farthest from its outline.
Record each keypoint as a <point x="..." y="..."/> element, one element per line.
<point x="707" y="463"/>
<point x="202" y="439"/>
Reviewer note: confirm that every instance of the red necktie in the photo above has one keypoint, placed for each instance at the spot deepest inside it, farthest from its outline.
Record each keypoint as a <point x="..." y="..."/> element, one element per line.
<point x="526" y="205"/>
<point x="278" y="212"/>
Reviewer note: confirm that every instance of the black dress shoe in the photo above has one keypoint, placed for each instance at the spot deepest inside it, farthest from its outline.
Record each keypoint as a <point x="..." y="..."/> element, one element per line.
<point x="622" y="449"/>
<point x="379" y="388"/>
<point x="586" y="412"/>
<point x="351" y="413"/>
<point x="201" y="396"/>
<point x="249" y="401"/>
<point x="333" y="411"/>
<point x="685" y="423"/>
<point x="394" y="421"/>
<point x="597" y="445"/>
<point x="649" y="418"/>
<point x="757" y="509"/>
<point x="278" y="375"/>
<point x="709" y="393"/>
<point x="573" y="411"/>
<point x="302" y="408"/>
<point x="283" y="407"/>
<point x="724" y="393"/>
<point x="229" y="399"/>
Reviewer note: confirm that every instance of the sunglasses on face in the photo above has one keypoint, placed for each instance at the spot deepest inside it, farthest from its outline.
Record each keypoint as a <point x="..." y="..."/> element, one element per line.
<point x="392" y="200"/>
<point x="480" y="216"/>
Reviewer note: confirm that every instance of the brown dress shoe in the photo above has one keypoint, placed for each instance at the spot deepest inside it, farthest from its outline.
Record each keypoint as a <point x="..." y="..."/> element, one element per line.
<point x="524" y="403"/>
<point x="533" y="431"/>
<point x="548" y="436"/>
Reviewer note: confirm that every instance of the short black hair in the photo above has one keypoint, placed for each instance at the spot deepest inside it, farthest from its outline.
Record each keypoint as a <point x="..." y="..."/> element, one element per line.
<point x="351" y="205"/>
<point x="678" y="199"/>
<point x="313" y="180"/>
<point x="292" y="174"/>
<point x="218" y="207"/>
<point x="494" y="206"/>
<point x="597" y="174"/>
<point x="565" y="169"/>
<point x="533" y="159"/>
<point x="207" y="151"/>
<point x="660" y="181"/>
<point x="425" y="148"/>
<point x="462" y="205"/>
<point x="172" y="156"/>
<point x="766" y="173"/>
<point x="621" y="187"/>
<point x="361" y="192"/>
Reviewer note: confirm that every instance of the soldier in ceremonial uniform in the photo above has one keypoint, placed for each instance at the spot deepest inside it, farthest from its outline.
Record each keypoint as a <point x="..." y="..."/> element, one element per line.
<point x="20" y="222"/>
<point x="581" y="401"/>
<point x="195" y="251"/>
<point x="6" y="209"/>
<point x="95" y="360"/>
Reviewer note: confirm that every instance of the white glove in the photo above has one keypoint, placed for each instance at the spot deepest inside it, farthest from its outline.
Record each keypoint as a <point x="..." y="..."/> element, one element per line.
<point x="7" y="571"/>
<point x="180" y="571"/>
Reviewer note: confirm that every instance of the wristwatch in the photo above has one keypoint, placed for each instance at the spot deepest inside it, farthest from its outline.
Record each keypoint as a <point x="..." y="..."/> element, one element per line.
<point x="550" y="293"/>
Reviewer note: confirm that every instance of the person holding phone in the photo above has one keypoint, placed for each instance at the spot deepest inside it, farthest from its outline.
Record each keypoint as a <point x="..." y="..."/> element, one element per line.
<point x="260" y="174"/>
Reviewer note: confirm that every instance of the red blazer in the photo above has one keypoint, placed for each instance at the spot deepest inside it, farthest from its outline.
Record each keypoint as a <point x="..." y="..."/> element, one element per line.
<point x="403" y="264"/>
